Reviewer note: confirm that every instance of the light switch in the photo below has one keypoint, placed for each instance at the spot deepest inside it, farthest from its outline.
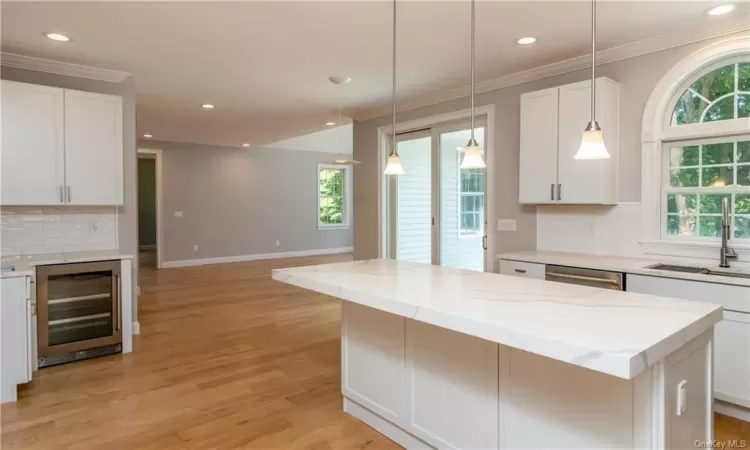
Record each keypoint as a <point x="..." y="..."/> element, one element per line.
<point x="506" y="225"/>
<point x="178" y="214"/>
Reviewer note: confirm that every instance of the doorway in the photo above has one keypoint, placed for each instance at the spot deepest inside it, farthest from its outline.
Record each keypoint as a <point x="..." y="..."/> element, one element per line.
<point x="437" y="211"/>
<point x="149" y="217"/>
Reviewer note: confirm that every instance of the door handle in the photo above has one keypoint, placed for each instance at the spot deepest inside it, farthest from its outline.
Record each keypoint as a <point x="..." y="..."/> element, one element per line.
<point x="559" y="192"/>
<point x="68" y="194"/>
<point x="552" y="192"/>
<point x="484" y="242"/>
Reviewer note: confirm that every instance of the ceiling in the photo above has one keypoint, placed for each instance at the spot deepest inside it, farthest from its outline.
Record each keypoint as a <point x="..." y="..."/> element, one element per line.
<point x="265" y="65"/>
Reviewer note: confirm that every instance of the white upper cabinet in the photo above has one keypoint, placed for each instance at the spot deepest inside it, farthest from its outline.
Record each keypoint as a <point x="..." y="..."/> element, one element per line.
<point x="538" y="168"/>
<point x="60" y="147"/>
<point x="552" y="123"/>
<point x="93" y="148"/>
<point x="32" y="158"/>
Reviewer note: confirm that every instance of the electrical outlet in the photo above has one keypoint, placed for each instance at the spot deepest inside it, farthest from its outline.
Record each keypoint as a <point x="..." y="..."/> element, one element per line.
<point x="278" y="243"/>
<point x="178" y="214"/>
<point x="195" y="247"/>
<point x="506" y="225"/>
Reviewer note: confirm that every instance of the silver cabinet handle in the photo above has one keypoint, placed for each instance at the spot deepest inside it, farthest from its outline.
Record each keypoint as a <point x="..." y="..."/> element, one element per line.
<point x="583" y="278"/>
<point x="118" y="302"/>
<point x="62" y="194"/>
<point x="559" y="192"/>
<point x="68" y="194"/>
<point x="552" y="191"/>
<point x="520" y="270"/>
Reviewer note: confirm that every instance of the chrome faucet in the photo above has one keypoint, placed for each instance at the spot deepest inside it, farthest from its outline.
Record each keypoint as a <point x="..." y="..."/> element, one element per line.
<point x="726" y="230"/>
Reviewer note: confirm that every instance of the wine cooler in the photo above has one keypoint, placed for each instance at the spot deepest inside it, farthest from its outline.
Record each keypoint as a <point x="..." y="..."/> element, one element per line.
<point x="79" y="308"/>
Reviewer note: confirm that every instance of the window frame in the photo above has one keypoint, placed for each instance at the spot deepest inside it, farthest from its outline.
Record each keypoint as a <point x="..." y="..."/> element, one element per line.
<point x="466" y="233"/>
<point x="666" y="189"/>
<point x="345" y="195"/>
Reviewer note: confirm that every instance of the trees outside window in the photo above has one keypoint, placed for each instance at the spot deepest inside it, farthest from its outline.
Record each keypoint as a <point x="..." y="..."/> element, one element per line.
<point x="332" y="191"/>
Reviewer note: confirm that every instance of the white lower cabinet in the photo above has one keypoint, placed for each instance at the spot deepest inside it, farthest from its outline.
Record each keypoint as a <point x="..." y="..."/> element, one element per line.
<point x="451" y="388"/>
<point x="16" y="317"/>
<point x="731" y="335"/>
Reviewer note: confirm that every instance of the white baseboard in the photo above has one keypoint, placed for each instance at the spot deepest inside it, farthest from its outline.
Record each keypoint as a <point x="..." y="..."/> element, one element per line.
<point x="728" y="409"/>
<point x="136" y="328"/>
<point x="241" y="258"/>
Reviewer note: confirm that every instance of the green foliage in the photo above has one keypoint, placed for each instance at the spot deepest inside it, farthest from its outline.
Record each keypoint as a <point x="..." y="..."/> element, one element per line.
<point x="331" y="196"/>
<point x="712" y="87"/>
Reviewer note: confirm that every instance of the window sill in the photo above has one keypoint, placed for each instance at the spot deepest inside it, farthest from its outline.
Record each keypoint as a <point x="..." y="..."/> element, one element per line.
<point x="333" y="227"/>
<point x="694" y="249"/>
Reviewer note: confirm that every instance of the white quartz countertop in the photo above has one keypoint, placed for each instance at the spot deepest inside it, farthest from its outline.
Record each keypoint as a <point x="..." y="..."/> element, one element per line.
<point x="24" y="265"/>
<point x="632" y="265"/>
<point x="613" y="332"/>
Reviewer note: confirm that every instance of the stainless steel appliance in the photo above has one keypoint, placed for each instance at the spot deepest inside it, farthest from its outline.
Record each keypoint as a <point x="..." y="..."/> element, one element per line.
<point x="79" y="309"/>
<point x="586" y="277"/>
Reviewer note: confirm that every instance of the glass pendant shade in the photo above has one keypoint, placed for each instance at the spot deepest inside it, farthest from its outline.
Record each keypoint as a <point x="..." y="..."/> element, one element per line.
<point x="592" y="143"/>
<point x="472" y="156"/>
<point x="393" y="166"/>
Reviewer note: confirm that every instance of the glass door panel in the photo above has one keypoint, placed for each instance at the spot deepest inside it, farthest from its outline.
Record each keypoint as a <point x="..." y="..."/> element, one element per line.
<point x="411" y="200"/>
<point x="461" y="202"/>
<point x="80" y="307"/>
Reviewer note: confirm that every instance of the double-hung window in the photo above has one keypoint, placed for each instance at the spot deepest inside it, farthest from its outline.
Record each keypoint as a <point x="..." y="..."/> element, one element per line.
<point x="471" y="202"/>
<point x="698" y="174"/>
<point x="333" y="196"/>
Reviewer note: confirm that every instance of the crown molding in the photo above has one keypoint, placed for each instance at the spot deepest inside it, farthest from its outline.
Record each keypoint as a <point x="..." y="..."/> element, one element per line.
<point x="626" y="51"/>
<point x="61" y="68"/>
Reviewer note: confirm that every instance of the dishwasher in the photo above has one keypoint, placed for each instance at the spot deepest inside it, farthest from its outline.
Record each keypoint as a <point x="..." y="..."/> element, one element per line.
<point x="586" y="277"/>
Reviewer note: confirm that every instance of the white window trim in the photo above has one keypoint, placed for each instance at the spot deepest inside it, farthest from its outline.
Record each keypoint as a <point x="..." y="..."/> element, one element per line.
<point x="347" y="197"/>
<point x="466" y="234"/>
<point x="656" y="131"/>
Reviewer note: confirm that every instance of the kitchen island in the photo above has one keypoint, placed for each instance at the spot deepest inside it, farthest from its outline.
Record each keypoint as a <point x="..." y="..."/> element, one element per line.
<point x="435" y="357"/>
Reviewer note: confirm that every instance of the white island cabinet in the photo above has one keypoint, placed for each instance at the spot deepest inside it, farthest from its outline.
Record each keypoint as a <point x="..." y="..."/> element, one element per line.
<point x="435" y="357"/>
<point x="16" y="328"/>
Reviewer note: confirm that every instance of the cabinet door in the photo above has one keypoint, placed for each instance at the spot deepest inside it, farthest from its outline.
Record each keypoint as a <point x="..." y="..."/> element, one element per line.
<point x="587" y="181"/>
<point x="93" y="148"/>
<point x="731" y="335"/>
<point x="523" y="269"/>
<point x="537" y="178"/>
<point x="32" y="144"/>
<point x="15" y="334"/>
<point x="732" y="359"/>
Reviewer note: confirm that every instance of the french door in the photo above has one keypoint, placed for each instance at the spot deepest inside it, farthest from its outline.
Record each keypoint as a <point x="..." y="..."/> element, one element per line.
<point x="436" y="211"/>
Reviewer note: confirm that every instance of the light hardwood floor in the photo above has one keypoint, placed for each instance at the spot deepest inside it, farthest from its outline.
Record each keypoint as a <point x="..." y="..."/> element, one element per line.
<point x="227" y="358"/>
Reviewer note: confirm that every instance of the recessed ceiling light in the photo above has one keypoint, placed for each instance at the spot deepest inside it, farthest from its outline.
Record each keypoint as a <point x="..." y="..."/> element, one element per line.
<point x="526" y="40"/>
<point x="57" y="37"/>
<point x="147" y="136"/>
<point x="330" y="124"/>
<point x="246" y="144"/>
<point x="721" y="9"/>
<point x="207" y="106"/>
<point x="337" y="79"/>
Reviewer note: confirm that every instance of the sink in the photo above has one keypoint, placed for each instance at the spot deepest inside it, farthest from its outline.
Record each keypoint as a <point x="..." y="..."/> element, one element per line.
<point x="700" y="270"/>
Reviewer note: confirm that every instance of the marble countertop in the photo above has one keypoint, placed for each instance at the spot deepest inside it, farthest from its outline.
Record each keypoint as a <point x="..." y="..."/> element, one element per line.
<point x="613" y="332"/>
<point x="24" y="265"/>
<point x="632" y="265"/>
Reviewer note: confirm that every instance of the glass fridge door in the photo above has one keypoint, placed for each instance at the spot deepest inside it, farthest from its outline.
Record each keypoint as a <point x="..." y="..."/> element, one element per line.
<point x="80" y="307"/>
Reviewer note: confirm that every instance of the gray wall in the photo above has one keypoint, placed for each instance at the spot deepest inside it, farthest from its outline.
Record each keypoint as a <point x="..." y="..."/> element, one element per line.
<point x="127" y="219"/>
<point x="637" y="77"/>
<point x="240" y="201"/>
<point x="146" y="201"/>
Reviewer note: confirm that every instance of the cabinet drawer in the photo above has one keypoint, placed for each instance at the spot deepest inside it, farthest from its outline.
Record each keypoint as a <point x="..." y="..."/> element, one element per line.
<point x="522" y="269"/>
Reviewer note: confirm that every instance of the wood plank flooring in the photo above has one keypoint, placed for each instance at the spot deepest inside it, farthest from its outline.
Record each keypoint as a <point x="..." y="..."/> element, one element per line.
<point x="227" y="358"/>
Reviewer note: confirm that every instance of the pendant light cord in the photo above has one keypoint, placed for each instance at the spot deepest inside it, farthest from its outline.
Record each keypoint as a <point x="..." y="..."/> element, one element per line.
<point x="472" y="69"/>
<point x="394" y="151"/>
<point x="593" y="61"/>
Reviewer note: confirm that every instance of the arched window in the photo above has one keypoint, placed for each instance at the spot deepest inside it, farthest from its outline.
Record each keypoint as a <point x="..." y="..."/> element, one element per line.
<point x="712" y="164"/>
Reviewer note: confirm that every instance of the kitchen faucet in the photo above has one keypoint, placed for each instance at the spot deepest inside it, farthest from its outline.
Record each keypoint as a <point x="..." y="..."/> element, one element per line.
<point x="725" y="253"/>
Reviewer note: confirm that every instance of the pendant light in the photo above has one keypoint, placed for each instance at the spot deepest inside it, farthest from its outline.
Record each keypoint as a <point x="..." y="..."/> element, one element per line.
<point x="338" y="80"/>
<point x="592" y="143"/>
<point x="472" y="151"/>
<point x="393" y="164"/>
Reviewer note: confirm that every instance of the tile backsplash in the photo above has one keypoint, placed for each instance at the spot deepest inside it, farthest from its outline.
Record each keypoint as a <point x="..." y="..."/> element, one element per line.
<point x="28" y="230"/>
